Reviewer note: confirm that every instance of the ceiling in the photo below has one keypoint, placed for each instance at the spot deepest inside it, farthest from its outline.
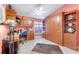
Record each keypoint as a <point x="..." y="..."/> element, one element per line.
<point x="40" y="11"/>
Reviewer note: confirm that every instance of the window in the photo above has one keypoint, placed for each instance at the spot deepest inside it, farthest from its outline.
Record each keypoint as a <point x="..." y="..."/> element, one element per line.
<point x="2" y="14"/>
<point x="38" y="27"/>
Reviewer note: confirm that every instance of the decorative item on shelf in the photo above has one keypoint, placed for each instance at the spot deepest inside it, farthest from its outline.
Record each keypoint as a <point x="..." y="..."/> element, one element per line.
<point x="70" y="24"/>
<point x="71" y="17"/>
<point x="70" y="28"/>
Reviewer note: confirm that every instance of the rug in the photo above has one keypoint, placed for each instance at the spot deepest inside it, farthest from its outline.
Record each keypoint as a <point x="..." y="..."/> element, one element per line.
<point x="47" y="49"/>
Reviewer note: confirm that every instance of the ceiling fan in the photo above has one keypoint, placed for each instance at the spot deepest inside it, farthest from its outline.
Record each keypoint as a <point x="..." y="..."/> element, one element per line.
<point x="39" y="10"/>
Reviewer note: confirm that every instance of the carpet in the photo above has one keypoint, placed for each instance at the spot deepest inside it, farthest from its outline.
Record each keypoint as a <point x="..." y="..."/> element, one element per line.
<point x="47" y="49"/>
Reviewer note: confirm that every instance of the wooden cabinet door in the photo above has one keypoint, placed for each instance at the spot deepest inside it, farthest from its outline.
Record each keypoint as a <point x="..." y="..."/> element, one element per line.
<point x="10" y="14"/>
<point x="70" y="41"/>
<point x="30" y="35"/>
<point x="10" y="17"/>
<point x="55" y="29"/>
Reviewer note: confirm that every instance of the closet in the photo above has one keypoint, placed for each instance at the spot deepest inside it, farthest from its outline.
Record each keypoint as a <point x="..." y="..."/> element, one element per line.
<point x="71" y="29"/>
<point x="54" y="28"/>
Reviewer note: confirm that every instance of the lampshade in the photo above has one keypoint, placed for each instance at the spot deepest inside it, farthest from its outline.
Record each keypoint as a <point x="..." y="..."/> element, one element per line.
<point x="11" y="22"/>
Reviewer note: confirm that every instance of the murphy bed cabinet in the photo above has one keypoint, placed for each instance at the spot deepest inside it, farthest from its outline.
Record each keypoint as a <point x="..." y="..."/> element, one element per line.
<point x="71" y="29"/>
<point x="54" y="28"/>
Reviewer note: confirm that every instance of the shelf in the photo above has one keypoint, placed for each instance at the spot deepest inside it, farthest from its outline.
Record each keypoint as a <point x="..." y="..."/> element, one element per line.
<point x="72" y="12"/>
<point x="70" y="22"/>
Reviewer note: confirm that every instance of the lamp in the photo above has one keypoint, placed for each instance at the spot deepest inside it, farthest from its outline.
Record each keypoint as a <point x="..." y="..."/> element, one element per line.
<point x="11" y="24"/>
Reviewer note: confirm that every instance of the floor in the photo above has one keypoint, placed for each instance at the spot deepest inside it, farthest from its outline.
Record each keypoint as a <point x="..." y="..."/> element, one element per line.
<point x="26" y="47"/>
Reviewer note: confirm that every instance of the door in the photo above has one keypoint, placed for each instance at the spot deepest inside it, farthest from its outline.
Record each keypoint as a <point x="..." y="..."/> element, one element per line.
<point x="70" y="41"/>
